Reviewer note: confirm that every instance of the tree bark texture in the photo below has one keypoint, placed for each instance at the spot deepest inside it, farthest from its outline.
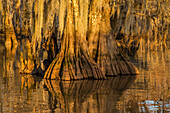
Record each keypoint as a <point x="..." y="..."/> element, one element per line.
<point x="81" y="38"/>
<point x="80" y="47"/>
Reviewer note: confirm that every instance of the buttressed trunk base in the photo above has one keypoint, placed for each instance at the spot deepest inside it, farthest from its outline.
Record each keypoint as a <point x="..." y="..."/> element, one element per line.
<point x="87" y="38"/>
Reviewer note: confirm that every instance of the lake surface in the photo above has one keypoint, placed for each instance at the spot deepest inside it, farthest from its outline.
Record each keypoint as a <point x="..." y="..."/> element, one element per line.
<point x="147" y="92"/>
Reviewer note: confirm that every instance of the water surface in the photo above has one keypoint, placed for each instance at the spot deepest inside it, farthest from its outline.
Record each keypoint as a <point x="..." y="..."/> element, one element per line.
<point x="146" y="92"/>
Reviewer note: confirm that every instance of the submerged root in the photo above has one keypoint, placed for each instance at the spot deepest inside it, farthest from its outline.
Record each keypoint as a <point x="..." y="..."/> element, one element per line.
<point x="72" y="67"/>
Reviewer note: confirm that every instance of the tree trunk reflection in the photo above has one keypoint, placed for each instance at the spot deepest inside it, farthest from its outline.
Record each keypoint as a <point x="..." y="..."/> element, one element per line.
<point x="79" y="96"/>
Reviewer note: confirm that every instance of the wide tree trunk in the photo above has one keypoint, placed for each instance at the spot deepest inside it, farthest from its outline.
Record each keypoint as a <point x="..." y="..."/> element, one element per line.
<point x="102" y="43"/>
<point x="82" y="38"/>
<point x="73" y="61"/>
<point x="87" y="37"/>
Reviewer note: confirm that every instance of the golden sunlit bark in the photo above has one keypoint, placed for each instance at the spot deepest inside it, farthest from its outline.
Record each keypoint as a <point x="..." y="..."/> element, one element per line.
<point x="82" y="38"/>
<point x="72" y="62"/>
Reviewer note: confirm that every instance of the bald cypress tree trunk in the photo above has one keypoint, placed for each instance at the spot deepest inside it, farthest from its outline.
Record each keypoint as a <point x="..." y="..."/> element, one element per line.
<point x="73" y="61"/>
<point x="92" y="34"/>
<point x="83" y="30"/>
<point x="88" y="48"/>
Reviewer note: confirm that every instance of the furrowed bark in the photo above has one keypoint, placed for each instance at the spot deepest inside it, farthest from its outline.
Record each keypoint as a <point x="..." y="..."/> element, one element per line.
<point x="108" y="55"/>
<point x="74" y="62"/>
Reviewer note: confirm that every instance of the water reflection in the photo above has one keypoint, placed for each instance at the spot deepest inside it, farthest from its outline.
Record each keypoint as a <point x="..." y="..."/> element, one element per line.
<point x="87" y="95"/>
<point x="148" y="92"/>
<point x="27" y="93"/>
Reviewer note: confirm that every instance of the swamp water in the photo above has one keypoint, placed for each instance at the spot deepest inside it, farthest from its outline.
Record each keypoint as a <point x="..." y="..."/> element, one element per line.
<point x="147" y="92"/>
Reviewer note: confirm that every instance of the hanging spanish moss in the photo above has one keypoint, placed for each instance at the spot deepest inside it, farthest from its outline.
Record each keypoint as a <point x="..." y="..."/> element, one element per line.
<point x="82" y="39"/>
